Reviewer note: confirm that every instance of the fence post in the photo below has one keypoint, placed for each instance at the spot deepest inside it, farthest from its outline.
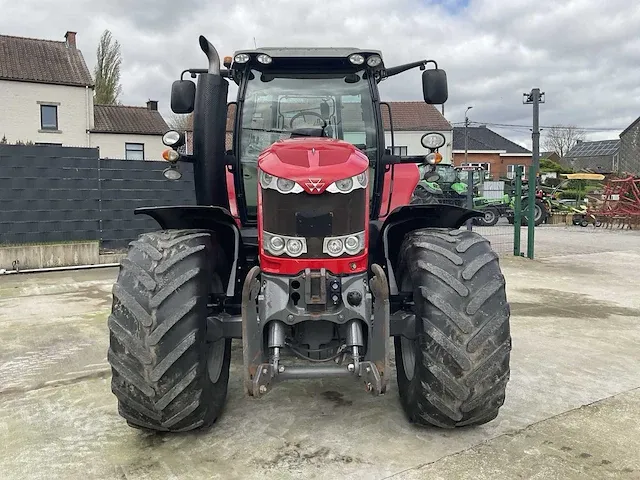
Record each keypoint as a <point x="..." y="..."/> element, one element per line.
<point x="531" y="214"/>
<point x="470" y="197"/>
<point x="517" y="212"/>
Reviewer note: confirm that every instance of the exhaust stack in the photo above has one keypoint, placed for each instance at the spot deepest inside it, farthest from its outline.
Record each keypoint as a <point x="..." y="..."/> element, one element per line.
<point x="212" y="54"/>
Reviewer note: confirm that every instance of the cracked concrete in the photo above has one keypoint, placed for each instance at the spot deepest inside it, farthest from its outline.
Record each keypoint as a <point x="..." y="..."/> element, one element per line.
<point x="576" y="331"/>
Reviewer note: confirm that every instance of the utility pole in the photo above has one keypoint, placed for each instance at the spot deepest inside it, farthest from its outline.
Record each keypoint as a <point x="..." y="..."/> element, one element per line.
<point x="466" y="161"/>
<point x="534" y="97"/>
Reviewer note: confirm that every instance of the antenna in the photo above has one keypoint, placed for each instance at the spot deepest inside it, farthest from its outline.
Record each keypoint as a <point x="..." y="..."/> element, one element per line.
<point x="254" y="43"/>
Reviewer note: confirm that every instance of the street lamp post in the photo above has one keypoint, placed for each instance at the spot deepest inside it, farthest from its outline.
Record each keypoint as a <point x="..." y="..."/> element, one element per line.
<point x="466" y="141"/>
<point x="466" y="161"/>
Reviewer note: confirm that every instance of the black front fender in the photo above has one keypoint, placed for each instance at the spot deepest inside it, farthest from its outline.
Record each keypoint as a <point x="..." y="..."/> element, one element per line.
<point x="389" y="236"/>
<point x="220" y="222"/>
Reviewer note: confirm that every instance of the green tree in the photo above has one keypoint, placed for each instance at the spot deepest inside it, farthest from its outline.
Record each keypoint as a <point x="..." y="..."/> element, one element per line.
<point x="547" y="165"/>
<point x="107" y="71"/>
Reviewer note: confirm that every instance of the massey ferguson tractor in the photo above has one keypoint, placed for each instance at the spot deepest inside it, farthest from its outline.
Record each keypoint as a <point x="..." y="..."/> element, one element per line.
<point x="304" y="244"/>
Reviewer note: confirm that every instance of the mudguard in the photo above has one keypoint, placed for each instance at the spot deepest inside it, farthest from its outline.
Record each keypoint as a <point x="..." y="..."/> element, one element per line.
<point x="219" y="221"/>
<point x="389" y="236"/>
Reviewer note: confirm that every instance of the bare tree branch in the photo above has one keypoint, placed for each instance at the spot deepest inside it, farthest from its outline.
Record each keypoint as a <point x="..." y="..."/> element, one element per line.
<point x="561" y="139"/>
<point x="107" y="71"/>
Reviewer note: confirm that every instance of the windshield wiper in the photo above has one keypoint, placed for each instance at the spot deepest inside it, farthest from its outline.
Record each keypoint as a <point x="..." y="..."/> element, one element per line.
<point x="268" y="130"/>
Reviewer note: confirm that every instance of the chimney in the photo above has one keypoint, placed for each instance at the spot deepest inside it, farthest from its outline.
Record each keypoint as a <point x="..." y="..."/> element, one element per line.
<point x="70" y="37"/>
<point x="152" y="105"/>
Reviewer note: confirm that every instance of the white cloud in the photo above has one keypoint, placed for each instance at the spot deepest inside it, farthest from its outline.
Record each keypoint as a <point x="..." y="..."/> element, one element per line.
<point x="584" y="54"/>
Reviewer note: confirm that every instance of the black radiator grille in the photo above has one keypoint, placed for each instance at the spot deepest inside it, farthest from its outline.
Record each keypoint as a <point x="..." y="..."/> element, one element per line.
<point x="314" y="216"/>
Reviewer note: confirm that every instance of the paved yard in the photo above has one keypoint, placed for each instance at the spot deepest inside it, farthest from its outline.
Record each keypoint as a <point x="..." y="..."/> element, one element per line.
<point x="571" y="411"/>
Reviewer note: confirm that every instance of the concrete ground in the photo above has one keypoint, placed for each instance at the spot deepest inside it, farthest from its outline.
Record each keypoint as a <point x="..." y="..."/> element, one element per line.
<point x="572" y="407"/>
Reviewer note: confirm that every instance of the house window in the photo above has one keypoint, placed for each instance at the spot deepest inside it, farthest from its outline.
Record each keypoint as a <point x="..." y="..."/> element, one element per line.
<point x="134" y="151"/>
<point x="400" y="151"/>
<point x="511" y="171"/>
<point x="48" y="117"/>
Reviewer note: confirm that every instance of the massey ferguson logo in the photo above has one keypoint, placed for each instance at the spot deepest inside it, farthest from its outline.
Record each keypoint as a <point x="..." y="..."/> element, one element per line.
<point x="315" y="184"/>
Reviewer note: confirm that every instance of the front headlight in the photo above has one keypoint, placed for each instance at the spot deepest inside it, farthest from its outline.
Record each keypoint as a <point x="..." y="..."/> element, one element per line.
<point x="281" y="244"/>
<point x="282" y="185"/>
<point x="349" y="184"/>
<point x="350" y="244"/>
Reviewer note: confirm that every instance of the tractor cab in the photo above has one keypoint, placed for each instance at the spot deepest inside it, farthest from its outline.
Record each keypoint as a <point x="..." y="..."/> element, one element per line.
<point x="288" y="93"/>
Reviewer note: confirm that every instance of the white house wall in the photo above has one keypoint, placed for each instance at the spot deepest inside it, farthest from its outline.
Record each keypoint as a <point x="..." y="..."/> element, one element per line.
<point x="411" y="140"/>
<point x="113" y="145"/>
<point x="20" y="112"/>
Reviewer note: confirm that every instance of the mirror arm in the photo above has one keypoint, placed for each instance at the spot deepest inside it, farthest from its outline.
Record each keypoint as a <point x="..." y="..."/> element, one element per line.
<point x="224" y="73"/>
<point x="185" y="158"/>
<point x="390" y="72"/>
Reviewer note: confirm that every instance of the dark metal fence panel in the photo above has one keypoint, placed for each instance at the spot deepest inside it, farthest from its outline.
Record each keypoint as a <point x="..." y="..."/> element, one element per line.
<point x="126" y="185"/>
<point x="48" y="194"/>
<point x="58" y="194"/>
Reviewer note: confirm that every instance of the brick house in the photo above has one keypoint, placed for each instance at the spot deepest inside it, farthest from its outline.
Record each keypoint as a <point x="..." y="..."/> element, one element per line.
<point x="411" y="120"/>
<point x="47" y="97"/>
<point x="630" y="149"/>
<point x="498" y="155"/>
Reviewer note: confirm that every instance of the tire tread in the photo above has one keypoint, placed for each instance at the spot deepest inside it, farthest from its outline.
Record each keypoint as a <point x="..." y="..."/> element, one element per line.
<point x="462" y="363"/>
<point x="158" y="350"/>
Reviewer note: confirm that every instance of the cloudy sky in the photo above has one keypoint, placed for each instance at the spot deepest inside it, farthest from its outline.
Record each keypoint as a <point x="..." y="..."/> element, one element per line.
<point x="584" y="54"/>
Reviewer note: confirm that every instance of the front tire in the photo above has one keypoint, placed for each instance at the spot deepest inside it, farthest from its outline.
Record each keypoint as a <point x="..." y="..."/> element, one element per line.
<point x="165" y="374"/>
<point x="456" y="371"/>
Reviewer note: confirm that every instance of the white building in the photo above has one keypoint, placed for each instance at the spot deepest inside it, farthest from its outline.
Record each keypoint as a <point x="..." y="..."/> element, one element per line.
<point x="411" y="120"/>
<point x="46" y="97"/>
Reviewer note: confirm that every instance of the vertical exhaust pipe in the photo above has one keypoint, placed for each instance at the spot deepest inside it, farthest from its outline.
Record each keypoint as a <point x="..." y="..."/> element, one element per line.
<point x="210" y="120"/>
<point x="212" y="55"/>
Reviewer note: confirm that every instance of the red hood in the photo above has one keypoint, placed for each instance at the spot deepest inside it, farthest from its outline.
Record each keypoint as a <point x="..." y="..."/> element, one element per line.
<point x="320" y="161"/>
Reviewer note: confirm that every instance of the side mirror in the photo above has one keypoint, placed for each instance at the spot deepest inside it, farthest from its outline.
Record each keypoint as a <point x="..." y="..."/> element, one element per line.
<point x="183" y="96"/>
<point x="434" y="86"/>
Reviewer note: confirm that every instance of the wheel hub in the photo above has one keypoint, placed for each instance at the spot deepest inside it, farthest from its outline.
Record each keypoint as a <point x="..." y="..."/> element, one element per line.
<point x="215" y="360"/>
<point x="408" y="357"/>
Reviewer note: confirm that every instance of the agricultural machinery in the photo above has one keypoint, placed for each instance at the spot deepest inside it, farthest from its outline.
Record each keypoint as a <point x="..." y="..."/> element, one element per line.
<point x="446" y="184"/>
<point x="303" y="244"/>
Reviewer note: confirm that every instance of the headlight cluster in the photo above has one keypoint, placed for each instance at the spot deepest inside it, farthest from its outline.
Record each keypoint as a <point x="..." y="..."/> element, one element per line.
<point x="347" y="185"/>
<point x="282" y="185"/>
<point x="280" y="244"/>
<point x="349" y="244"/>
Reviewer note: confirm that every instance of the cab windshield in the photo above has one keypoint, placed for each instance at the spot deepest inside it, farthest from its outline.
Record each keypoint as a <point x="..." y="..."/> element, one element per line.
<point x="276" y="104"/>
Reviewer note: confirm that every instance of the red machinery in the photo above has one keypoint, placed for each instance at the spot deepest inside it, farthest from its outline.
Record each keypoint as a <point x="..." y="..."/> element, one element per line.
<point x="620" y="203"/>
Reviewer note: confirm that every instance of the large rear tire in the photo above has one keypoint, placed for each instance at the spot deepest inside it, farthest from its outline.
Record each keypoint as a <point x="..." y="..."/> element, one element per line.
<point x="165" y="374"/>
<point x="456" y="371"/>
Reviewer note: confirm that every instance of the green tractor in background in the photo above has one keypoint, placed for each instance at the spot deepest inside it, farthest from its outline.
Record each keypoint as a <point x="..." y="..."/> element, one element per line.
<point x="447" y="184"/>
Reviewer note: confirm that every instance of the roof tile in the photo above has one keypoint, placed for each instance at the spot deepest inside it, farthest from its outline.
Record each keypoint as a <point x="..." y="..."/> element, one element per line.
<point x="42" y="61"/>
<point x="481" y="138"/>
<point x="125" y="119"/>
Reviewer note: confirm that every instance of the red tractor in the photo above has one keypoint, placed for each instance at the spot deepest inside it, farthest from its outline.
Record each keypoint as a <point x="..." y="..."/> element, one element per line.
<point x="304" y="244"/>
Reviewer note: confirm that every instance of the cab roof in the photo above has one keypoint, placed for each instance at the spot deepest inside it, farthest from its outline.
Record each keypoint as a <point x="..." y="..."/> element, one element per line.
<point x="323" y="52"/>
<point x="307" y="59"/>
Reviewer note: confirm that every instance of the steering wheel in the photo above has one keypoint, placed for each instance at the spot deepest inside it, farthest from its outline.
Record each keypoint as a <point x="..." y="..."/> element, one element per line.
<point x="303" y="114"/>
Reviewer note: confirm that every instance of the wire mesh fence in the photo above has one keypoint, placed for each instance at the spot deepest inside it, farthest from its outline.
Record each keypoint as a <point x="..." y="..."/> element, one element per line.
<point x="475" y="188"/>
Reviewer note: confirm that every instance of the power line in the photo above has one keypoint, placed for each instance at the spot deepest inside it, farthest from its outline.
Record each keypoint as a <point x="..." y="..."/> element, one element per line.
<point x="528" y="127"/>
